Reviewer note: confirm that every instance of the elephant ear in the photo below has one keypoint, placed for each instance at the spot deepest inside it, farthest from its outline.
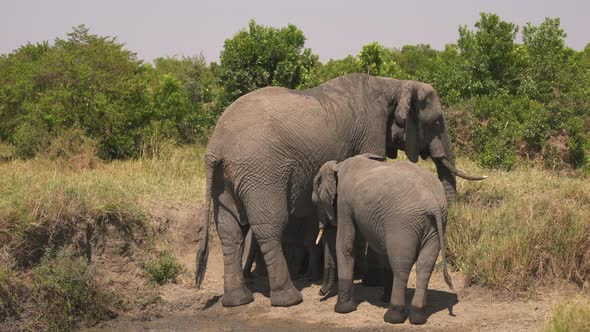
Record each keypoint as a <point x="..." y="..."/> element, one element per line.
<point x="327" y="186"/>
<point x="406" y="117"/>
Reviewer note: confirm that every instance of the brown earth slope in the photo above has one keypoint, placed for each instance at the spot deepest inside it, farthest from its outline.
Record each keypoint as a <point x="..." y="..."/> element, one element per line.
<point x="181" y="307"/>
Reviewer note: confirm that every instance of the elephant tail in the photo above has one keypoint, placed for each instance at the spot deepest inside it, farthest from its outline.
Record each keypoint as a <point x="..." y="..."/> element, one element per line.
<point x="441" y="237"/>
<point x="203" y="250"/>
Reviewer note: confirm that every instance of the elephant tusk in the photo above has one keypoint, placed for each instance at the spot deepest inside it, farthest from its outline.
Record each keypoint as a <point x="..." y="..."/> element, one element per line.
<point x="460" y="173"/>
<point x="317" y="240"/>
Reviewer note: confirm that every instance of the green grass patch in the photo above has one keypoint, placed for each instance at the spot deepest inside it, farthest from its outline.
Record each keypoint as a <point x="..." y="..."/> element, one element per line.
<point x="162" y="267"/>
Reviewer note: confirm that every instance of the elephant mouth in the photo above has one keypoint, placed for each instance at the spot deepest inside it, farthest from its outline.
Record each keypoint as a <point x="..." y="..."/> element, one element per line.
<point x="459" y="172"/>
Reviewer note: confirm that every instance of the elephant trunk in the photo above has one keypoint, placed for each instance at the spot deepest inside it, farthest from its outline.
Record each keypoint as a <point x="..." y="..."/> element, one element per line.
<point x="448" y="180"/>
<point x="330" y="267"/>
<point x="440" y="149"/>
<point x="444" y="157"/>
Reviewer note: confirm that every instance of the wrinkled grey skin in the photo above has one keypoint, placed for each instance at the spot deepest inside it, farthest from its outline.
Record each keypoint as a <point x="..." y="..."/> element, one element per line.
<point x="299" y="247"/>
<point x="401" y="211"/>
<point x="268" y="145"/>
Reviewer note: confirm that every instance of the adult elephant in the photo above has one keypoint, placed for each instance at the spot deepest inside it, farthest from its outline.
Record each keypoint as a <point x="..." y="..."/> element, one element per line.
<point x="268" y="145"/>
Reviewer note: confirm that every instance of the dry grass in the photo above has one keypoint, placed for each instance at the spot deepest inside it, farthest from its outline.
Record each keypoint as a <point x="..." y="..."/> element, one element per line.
<point x="50" y="204"/>
<point x="44" y="201"/>
<point x="513" y="231"/>
<point x="520" y="229"/>
<point x="570" y="317"/>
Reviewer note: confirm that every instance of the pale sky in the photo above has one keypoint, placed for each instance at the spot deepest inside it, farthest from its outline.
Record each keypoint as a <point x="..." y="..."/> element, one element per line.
<point x="333" y="29"/>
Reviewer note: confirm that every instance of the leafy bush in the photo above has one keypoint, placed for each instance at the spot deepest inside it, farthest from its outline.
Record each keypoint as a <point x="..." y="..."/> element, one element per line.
<point x="162" y="268"/>
<point x="68" y="293"/>
<point x="500" y="131"/>
<point x="94" y="85"/>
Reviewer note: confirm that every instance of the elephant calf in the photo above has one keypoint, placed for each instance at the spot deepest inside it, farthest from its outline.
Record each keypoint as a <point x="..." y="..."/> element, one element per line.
<point x="400" y="209"/>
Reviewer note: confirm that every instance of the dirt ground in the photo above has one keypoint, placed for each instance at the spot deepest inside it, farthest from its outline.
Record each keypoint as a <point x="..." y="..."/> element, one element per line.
<point x="181" y="307"/>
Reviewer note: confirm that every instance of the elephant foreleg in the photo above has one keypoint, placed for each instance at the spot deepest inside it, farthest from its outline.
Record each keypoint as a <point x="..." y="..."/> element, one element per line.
<point x="345" y="260"/>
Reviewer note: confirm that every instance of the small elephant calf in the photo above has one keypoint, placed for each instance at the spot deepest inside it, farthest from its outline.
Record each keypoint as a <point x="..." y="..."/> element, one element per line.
<point x="400" y="209"/>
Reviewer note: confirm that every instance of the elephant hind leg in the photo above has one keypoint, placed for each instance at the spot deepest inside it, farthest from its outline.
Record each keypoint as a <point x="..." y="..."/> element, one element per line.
<point x="268" y="222"/>
<point x="424" y="268"/>
<point x="401" y="253"/>
<point x="231" y="235"/>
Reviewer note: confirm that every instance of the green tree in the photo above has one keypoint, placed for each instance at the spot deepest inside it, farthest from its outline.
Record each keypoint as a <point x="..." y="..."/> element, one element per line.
<point x="548" y="61"/>
<point x="261" y="56"/>
<point x="86" y="82"/>
<point x="377" y="60"/>
<point x="190" y="84"/>
<point x="449" y="74"/>
<point x="335" y="68"/>
<point x="417" y="62"/>
<point x="196" y="78"/>
<point x="489" y="56"/>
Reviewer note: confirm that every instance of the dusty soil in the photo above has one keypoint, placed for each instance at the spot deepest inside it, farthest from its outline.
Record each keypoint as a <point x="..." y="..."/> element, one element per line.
<point x="181" y="307"/>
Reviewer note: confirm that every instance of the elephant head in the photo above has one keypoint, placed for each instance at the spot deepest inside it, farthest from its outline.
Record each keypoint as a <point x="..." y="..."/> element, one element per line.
<point x="418" y="127"/>
<point x="324" y="193"/>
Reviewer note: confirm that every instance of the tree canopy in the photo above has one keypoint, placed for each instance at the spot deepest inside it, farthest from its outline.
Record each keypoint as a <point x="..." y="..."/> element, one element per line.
<point x="505" y="100"/>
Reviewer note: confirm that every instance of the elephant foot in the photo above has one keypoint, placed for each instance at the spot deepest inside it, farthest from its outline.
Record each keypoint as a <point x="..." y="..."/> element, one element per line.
<point x="285" y="298"/>
<point x="395" y="315"/>
<point x="237" y="297"/>
<point x="345" y="307"/>
<point x="417" y="316"/>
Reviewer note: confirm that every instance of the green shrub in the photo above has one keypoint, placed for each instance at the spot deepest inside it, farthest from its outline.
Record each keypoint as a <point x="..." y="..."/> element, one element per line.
<point x="570" y="317"/>
<point x="500" y="131"/>
<point x="68" y="293"/>
<point x="577" y="143"/>
<point x="162" y="268"/>
<point x="28" y="139"/>
<point x="93" y="85"/>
